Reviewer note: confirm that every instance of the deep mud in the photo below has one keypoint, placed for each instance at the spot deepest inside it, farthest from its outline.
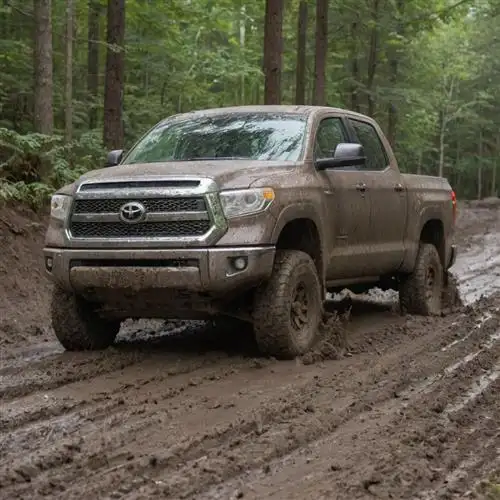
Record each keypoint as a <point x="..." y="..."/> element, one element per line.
<point x="388" y="407"/>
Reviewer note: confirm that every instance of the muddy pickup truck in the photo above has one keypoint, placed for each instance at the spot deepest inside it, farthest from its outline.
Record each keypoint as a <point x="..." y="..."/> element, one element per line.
<point x="251" y="213"/>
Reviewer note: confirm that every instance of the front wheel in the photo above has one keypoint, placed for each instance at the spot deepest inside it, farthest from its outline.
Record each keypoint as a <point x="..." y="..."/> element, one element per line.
<point x="421" y="291"/>
<point x="288" y="309"/>
<point x="77" y="324"/>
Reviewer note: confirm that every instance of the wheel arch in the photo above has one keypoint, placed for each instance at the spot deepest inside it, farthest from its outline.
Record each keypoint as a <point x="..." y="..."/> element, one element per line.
<point x="431" y="230"/>
<point x="298" y="228"/>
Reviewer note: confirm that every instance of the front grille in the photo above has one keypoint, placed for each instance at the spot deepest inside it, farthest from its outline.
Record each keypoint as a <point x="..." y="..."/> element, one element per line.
<point x="167" y="229"/>
<point x="152" y="205"/>
<point x="166" y="217"/>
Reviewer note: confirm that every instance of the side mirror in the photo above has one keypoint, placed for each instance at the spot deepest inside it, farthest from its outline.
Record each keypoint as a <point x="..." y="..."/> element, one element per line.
<point x="114" y="158"/>
<point x="346" y="154"/>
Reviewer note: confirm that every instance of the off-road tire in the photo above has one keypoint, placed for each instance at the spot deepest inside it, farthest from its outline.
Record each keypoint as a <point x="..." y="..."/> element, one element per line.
<point x="416" y="293"/>
<point x="452" y="300"/>
<point x="77" y="325"/>
<point x="275" y="332"/>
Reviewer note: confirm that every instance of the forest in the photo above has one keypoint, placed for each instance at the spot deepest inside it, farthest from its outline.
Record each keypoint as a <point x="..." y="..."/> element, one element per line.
<point x="80" y="77"/>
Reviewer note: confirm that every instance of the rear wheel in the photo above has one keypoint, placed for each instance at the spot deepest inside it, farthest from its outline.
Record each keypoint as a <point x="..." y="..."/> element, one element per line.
<point x="421" y="291"/>
<point x="77" y="324"/>
<point x="288" y="309"/>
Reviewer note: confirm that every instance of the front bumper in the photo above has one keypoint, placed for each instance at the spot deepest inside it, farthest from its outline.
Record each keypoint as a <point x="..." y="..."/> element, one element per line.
<point x="209" y="270"/>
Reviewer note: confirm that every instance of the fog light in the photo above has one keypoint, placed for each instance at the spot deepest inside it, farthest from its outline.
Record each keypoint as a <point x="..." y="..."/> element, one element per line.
<point x="240" y="263"/>
<point x="48" y="263"/>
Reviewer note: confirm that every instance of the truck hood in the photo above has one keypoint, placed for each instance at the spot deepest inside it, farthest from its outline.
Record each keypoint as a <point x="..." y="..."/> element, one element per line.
<point x="229" y="174"/>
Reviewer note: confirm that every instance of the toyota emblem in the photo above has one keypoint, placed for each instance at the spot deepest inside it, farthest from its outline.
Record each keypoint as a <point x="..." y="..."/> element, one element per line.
<point x="132" y="212"/>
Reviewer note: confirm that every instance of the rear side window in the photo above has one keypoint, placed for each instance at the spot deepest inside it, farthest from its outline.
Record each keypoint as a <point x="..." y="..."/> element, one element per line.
<point x="331" y="132"/>
<point x="376" y="157"/>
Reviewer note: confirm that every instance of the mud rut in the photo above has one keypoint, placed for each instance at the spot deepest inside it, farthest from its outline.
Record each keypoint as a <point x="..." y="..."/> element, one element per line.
<point x="175" y="410"/>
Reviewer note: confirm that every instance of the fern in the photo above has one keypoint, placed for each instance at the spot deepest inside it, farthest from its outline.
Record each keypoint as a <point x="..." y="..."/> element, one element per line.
<point x="33" y="166"/>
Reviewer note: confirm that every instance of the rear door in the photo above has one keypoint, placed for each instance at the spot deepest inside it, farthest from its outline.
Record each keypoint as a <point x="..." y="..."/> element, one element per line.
<point x="387" y="228"/>
<point x="348" y="203"/>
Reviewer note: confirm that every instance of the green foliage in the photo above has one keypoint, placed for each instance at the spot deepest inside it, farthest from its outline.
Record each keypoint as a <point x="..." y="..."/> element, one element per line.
<point x="437" y="66"/>
<point x="33" y="166"/>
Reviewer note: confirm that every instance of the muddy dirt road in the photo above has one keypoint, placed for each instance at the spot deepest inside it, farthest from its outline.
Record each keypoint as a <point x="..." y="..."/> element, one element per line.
<point x="410" y="408"/>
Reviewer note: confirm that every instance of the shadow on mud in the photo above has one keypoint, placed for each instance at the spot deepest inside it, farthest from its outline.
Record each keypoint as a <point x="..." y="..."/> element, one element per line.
<point x="196" y="337"/>
<point x="199" y="337"/>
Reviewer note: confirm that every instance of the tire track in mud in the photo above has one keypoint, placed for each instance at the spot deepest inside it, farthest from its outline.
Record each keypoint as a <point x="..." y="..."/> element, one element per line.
<point x="191" y="416"/>
<point x="214" y="439"/>
<point x="358" y="459"/>
<point x="176" y="347"/>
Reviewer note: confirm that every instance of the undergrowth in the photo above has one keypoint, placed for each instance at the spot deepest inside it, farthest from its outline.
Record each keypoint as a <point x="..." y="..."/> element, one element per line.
<point x="33" y="166"/>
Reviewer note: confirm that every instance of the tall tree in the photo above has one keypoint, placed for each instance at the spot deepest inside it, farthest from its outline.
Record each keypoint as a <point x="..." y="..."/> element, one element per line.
<point x="43" y="110"/>
<point x="392" y="110"/>
<point x="300" y="76"/>
<point x="273" y="51"/>
<point x="94" y="17"/>
<point x="68" y="101"/>
<point x="319" y="95"/>
<point x="113" y="92"/>
<point x="354" y="66"/>
<point x="373" y="58"/>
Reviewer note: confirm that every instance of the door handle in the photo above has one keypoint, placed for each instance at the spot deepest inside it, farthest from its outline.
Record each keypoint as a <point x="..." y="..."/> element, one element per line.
<point x="399" y="187"/>
<point x="361" y="187"/>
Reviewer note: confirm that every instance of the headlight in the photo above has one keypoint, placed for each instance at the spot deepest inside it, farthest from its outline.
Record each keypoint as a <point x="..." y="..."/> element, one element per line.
<point x="59" y="206"/>
<point x="246" y="201"/>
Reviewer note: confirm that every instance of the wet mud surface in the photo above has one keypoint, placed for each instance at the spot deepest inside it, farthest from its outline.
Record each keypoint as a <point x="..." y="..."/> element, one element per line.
<point x="390" y="407"/>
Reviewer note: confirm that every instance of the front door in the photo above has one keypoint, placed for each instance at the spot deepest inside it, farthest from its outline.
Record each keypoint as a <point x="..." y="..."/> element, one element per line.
<point x="348" y="204"/>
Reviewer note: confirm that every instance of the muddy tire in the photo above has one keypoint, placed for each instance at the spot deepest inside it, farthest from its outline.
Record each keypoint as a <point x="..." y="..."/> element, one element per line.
<point x="421" y="291"/>
<point x="451" y="299"/>
<point x="77" y="325"/>
<point x="288" y="309"/>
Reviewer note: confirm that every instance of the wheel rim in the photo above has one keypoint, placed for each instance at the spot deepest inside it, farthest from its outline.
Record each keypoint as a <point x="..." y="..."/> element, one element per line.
<point x="300" y="310"/>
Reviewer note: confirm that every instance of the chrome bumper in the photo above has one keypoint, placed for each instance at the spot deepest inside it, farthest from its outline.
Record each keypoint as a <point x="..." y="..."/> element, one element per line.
<point x="197" y="270"/>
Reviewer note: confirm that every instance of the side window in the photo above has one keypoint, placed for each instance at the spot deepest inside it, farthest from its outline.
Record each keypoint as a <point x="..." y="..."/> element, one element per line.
<point x="376" y="157"/>
<point x="330" y="133"/>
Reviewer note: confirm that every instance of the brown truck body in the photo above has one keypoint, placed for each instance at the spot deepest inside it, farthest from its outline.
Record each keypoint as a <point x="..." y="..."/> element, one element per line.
<point x="362" y="226"/>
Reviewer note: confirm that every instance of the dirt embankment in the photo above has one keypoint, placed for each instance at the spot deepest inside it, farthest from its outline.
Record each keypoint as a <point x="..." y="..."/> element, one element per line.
<point x="24" y="290"/>
<point x="410" y="410"/>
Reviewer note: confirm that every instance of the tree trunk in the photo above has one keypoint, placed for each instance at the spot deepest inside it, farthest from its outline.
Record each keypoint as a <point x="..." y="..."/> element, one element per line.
<point x="319" y="97"/>
<point x="372" y="60"/>
<point x="68" y="101"/>
<point x="392" y="112"/>
<point x="113" y="92"/>
<point x="442" y="130"/>
<point x="456" y="168"/>
<point x="480" y="166"/>
<point x="495" y="169"/>
<point x="242" y="31"/>
<point x="43" y="108"/>
<point x="354" y="68"/>
<point x="273" y="51"/>
<point x="300" y="77"/>
<point x="94" y="15"/>
<point x="419" y="162"/>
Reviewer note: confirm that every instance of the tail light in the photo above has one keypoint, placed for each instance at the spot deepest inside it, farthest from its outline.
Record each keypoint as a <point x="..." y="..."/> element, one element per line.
<point x="454" y="205"/>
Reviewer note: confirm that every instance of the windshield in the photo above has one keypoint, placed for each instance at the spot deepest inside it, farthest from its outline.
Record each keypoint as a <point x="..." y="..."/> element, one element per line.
<point x="256" y="136"/>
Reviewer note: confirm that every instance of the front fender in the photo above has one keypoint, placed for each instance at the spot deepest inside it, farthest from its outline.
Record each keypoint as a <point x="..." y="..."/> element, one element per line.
<point x="301" y="211"/>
